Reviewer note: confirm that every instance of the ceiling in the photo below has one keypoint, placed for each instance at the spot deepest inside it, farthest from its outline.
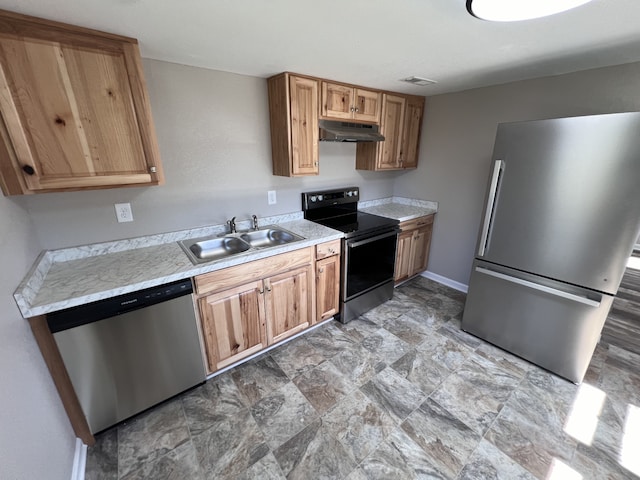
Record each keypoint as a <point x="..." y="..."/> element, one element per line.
<point x="367" y="42"/>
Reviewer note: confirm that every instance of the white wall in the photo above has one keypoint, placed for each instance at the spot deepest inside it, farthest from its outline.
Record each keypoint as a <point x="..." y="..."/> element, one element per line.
<point x="36" y="440"/>
<point x="213" y="133"/>
<point x="457" y="141"/>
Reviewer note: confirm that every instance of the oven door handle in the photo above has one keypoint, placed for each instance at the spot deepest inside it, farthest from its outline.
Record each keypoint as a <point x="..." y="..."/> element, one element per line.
<point x="371" y="239"/>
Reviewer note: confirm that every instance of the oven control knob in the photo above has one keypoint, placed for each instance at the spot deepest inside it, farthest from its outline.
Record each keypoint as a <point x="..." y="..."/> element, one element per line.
<point x="320" y="198"/>
<point x="313" y="198"/>
<point x="354" y="193"/>
<point x="349" y="193"/>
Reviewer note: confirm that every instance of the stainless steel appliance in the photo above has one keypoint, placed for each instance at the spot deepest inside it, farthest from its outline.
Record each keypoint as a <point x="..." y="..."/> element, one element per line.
<point x="368" y="249"/>
<point x="130" y="352"/>
<point x="333" y="131"/>
<point x="562" y="214"/>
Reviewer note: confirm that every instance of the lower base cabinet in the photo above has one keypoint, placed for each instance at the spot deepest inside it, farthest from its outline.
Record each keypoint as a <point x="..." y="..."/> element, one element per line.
<point x="246" y="308"/>
<point x="414" y="241"/>
<point x="288" y="299"/>
<point x="233" y="324"/>
<point x="327" y="280"/>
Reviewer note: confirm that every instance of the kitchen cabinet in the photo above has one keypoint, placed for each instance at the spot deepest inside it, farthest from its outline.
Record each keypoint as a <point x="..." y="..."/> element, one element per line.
<point x="75" y="110"/>
<point x="245" y="308"/>
<point x="293" y="112"/>
<point x="327" y="280"/>
<point x="233" y="324"/>
<point x="288" y="299"/>
<point x="400" y="123"/>
<point x="411" y="128"/>
<point x="412" y="253"/>
<point x="344" y="102"/>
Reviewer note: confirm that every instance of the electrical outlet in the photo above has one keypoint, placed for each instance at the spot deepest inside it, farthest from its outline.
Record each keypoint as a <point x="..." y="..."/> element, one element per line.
<point x="271" y="197"/>
<point x="123" y="212"/>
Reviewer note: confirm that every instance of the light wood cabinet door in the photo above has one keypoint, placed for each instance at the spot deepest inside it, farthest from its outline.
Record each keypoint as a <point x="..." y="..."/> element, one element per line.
<point x="414" y="242"/>
<point x="233" y="324"/>
<point x="343" y="102"/>
<point x="304" y="125"/>
<point x="403" y="256"/>
<point x="75" y="112"/>
<point x="337" y="101"/>
<point x="293" y="114"/>
<point x="420" y="250"/>
<point x="393" y="108"/>
<point x="411" y="132"/>
<point x="288" y="301"/>
<point x="368" y="105"/>
<point x="327" y="287"/>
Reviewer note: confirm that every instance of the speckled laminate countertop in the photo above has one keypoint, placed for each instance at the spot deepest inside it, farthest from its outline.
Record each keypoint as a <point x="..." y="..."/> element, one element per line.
<point x="400" y="208"/>
<point x="74" y="276"/>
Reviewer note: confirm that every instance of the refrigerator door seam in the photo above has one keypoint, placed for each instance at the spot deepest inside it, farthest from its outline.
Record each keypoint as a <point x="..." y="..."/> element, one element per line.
<point x="542" y="288"/>
<point x="491" y="205"/>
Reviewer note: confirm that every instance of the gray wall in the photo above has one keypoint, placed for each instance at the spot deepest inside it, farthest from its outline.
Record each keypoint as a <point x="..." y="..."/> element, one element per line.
<point x="213" y="132"/>
<point x="457" y="142"/>
<point x="36" y="440"/>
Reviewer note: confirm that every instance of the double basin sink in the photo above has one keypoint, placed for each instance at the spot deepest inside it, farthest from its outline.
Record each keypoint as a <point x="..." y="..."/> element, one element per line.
<point x="208" y="249"/>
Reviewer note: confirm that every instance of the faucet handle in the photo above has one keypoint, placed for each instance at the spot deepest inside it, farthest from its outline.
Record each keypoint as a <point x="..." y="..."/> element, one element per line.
<point x="254" y="219"/>
<point x="232" y="225"/>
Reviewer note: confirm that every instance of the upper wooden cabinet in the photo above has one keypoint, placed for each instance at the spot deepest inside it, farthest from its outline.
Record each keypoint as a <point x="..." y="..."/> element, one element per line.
<point x="400" y="123"/>
<point x="344" y="102"/>
<point x="75" y="111"/>
<point x="293" y="111"/>
<point x="296" y="102"/>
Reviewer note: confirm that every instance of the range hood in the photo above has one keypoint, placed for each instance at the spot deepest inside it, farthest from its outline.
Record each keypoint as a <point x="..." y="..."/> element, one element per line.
<point x="331" y="131"/>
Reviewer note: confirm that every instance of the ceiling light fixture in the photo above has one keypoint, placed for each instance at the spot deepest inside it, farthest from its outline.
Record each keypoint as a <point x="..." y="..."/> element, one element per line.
<point x="422" y="82"/>
<point x="514" y="10"/>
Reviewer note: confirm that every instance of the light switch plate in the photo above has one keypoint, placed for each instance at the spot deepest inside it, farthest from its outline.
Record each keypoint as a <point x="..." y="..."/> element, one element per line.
<point x="123" y="212"/>
<point x="271" y="197"/>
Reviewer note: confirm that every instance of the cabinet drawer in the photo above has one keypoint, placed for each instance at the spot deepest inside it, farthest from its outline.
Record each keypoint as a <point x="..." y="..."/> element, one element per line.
<point x="256" y="270"/>
<point x="417" y="222"/>
<point x="327" y="249"/>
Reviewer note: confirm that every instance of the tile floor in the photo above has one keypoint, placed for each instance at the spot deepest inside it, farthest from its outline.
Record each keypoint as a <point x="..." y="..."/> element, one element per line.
<point x="399" y="393"/>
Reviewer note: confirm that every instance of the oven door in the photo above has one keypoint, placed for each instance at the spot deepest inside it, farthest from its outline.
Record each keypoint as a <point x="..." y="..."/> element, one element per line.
<point x="368" y="263"/>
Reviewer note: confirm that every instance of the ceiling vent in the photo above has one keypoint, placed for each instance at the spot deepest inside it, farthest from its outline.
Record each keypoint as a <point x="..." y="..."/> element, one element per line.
<point x="421" y="82"/>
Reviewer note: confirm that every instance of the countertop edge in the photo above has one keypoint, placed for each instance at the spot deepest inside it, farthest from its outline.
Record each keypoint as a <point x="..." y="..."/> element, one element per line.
<point x="400" y="208"/>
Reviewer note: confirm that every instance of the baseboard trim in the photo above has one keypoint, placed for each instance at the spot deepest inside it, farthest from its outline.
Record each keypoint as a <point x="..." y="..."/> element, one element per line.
<point x="79" y="461"/>
<point x="461" y="287"/>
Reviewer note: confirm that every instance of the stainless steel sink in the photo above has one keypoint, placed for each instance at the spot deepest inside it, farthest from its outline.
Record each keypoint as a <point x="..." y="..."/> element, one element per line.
<point x="207" y="249"/>
<point x="269" y="236"/>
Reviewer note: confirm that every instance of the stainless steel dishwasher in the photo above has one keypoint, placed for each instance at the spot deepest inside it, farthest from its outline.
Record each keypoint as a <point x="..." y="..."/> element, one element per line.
<point x="128" y="353"/>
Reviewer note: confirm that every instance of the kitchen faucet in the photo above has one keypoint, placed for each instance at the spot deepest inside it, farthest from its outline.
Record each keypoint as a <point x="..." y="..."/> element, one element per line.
<point x="232" y="225"/>
<point x="254" y="219"/>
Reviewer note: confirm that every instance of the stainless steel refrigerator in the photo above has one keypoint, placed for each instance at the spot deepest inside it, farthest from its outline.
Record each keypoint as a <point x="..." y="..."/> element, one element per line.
<point x="561" y="217"/>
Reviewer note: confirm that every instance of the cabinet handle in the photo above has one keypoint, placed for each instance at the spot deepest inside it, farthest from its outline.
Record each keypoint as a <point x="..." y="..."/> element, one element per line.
<point x="321" y="269"/>
<point x="261" y="292"/>
<point x="152" y="169"/>
<point x="28" y="169"/>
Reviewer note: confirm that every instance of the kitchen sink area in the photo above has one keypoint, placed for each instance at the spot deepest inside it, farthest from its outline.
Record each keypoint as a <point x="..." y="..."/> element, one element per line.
<point x="215" y="247"/>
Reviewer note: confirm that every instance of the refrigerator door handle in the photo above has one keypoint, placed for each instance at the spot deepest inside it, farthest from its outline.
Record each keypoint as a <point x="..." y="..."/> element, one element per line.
<point x="491" y="205"/>
<point x="542" y="288"/>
